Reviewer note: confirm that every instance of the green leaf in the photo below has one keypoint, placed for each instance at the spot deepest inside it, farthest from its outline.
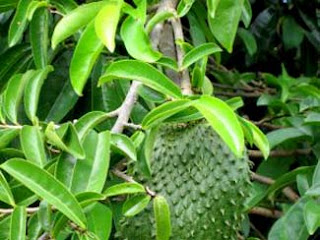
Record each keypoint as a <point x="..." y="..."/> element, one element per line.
<point x="124" y="188"/>
<point x="224" y="122"/>
<point x="106" y="23"/>
<point x="14" y="93"/>
<point x="169" y="63"/>
<point x="5" y="226"/>
<point x="18" y="23"/>
<point x="158" y="18"/>
<point x="212" y="7"/>
<point x="143" y="72"/>
<point x="45" y="216"/>
<point x="34" y="227"/>
<point x="259" y="139"/>
<point x="292" y="33"/>
<point x="137" y="41"/>
<point x="65" y="6"/>
<point x="248" y="40"/>
<point x="162" y="218"/>
<point x="235" y="103"/>
<point x="6" y="5"/>
<point x="68" y="142"/>
<point x="18" y="226"/>
<point x="184" y="7"/>
<point x="164" y="111"/>
<point x="124" y="144"/>
<point x="34" y="6"/>
<point x="32" y="92"/>
<point x="225" y="23"/>
<point x="74" y="21"/>
<point x="6" y="136"/>
<point x="43" y="184"/>
<point x="135" y="205"/>
<point x="94" y="168"/>
<point x="100" y="221"/>
<point x="246" y="13"/>
<point x="316" y="175"/>
<point x="5" y="191"/>
<point x="32" y="143"/>
<point x="39" y="37"/>
<point x="87" y="51"/>
<point x="312" y="216"/>
<point x="198" y="53"/>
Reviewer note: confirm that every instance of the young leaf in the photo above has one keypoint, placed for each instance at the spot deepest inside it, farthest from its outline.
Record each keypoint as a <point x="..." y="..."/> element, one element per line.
<point x="39" y="30"/>
<point x="212" y="7"/>
<point x="106" y="23"/>
<point x="184" y="6"/>
<point x="32" y="143"/>
<point x="87" y="51"/>
<point x="164" y="111"/>
<point x="199" y="52"/>
<point x="18" y="226"/>
<point x="18" y="23"/>
<point x="135" y="205"/>
<point x="100" y="221"/>
<point x="157" y="18"/>
<point x="94" y="168"/>
<point x="124" y="188"/>
<point x="137" y="41"/>
<point x="224" y="122"/>
<point x="143" y="72"/>
<point x="5" y="191"/>
<point x="124" y="144"/>
<point x="75" y="20"/>
<point x="43" y="184"/>
<point x="225" y="23"/>
<point x="6" y="136"/>
<point x="312" y="216"/>
<point x="13" y="94"/>
<point x="162" y="218"/>
<point x="32" y="92"/>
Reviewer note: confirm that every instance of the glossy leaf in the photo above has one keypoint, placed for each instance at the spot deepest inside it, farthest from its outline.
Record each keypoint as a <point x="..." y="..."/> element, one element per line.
<point x="199" y="52"/>
<point x="169" y="63"/>
<point x="32" y="92"/>
<point x="39" y="31"/>
<point x="48" y="188"/>
<point x="18" y="23"/>
<point x="106" y="23"/>
<point x="135" y="205"/>
<point x="164" y="111"/>
<point x="246" y="13"/>
<point x="6" y="136"/>
<point x="87" y="51"/>
<point x="143" y="72"/>
<point x="5" y="191"/>
<point x="184" y="6"/>
<point x="14" y="94"/>
<point x="94" y="168"/>
<point x="100" y="221"/>
<point x="158" y="18"/>
<point x="212" y="7"/>
<point x="34" y="227"/>
<point x="45" y="216"/>
<point x="32" y="143"/>
<point x="248" y="40"/>
<point x="34" y="6"/>
<point x="124" y="144"/>
<point x="75" y="20"/>
<point x="312" y="216"/>
<point x="162" y="218"/>
<point x="124" y="188"/>
<point x="137" y="41"/>
<point x="224" y="122"/>
<point x="225" y="23"/>
<point x="18" y="223"/>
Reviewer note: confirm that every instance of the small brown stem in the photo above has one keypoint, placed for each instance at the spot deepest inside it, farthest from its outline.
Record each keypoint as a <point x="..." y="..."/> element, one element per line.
<point x="7" y="211"/>
<point x="260" y="235"/>
<point x="269" y="213"/>
<point x="280" y="153"/>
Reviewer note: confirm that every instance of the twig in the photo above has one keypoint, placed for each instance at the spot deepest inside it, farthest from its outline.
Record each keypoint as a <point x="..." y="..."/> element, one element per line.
<point x="260" y="235"/>
<point x="269" y="213"/>
<point x="133" y="126"/>
<point x="280" y="153"/>
<point x="287" y="191"/>
<point x="235" y="94"/>
<point x="7" y="211"/>
<point x="269" y="125"/>
<point x="6" y="126"/>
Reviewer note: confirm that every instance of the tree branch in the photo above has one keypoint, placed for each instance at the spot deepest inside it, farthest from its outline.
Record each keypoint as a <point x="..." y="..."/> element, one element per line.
<point x="280" y="153"/>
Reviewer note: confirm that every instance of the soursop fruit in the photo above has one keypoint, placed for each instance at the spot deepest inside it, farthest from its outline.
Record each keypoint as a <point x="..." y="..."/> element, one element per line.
<point x="203" y="182"/>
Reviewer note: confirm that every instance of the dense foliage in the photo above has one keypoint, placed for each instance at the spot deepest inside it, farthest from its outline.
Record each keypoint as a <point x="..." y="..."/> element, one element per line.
<point x="85" y="84"/>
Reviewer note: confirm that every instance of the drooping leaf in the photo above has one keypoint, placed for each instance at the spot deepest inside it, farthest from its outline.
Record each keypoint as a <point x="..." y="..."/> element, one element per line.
<point x="106" y="23"/>
<point x="224" y="122"/>
<point x="94" y="168"/>
<point x="135" y="205"/>
<point x="140" y="71"/>
<point x="199" y="52"/>
<point x="18" y="226"/>
<point x="124" y="188"/>
<point x="48" y="188"/>
<point x="39" y="30"/>
<point x="32" y="143"/>
<point x="18" y="23"/>
<point x="137" y="41"/>
<point x="75" y="20"/>
<point x="225" y="23"/>
<point x="32" y="92"/>
<point x="5" y="191"/>
<point x="87" y="51"/>
<point x="162" y="218"/>
<point x="124" y="144"/>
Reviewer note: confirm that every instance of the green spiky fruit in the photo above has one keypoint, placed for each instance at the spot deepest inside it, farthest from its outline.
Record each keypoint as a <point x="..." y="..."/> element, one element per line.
<point x="203" y="182"/>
